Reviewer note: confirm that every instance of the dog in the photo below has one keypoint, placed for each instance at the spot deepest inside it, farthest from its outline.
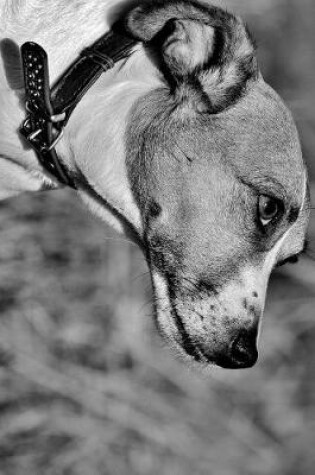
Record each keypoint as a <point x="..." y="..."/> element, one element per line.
<point x="182" y="146"/>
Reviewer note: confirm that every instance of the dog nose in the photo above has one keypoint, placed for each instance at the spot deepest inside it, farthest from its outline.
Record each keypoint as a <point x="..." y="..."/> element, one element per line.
<point x="242" y="352"/>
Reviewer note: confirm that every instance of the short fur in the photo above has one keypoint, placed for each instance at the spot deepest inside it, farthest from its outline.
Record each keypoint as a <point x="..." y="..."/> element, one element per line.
<point x="174" y="145"/>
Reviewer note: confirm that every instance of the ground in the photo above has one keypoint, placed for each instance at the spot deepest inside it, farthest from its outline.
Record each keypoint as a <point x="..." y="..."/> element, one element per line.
<point x="86" y="386"/>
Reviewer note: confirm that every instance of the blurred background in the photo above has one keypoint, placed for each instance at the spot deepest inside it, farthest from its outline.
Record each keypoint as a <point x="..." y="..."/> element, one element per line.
<point x="86" y="387"/>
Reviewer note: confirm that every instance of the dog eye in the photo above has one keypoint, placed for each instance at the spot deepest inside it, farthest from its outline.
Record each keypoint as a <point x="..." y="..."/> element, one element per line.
<point x="294" y="258"/>
<point x="268" y="209"/>
<point x="289" y="260"/>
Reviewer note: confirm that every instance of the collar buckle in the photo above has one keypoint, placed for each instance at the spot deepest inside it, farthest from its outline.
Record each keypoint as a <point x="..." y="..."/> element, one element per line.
<point x="49" y="109"/>
<point x="42" y="128"/>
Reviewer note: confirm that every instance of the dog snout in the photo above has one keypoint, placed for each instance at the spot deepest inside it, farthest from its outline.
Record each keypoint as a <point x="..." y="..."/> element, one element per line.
<point x="237" y="351"/>
<point x="242" y="351"/>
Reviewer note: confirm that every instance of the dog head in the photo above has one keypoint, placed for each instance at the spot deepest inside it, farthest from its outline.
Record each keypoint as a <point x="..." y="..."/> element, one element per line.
<point x="216" y="168"/>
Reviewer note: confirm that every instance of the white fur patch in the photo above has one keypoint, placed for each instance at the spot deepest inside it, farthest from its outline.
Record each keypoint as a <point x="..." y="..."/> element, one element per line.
<point x="95" y="134"/>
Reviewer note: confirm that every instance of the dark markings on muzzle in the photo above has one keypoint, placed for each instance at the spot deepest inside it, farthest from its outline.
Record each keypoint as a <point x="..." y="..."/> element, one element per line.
<point x="186" y="343"/>
<point x="190" y="348"/>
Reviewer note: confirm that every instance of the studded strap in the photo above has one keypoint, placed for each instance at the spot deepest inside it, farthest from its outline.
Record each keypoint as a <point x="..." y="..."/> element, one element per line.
<point x="49" y="110"/>
<point x="41" y="129"/>
<point x="87" y="68"/>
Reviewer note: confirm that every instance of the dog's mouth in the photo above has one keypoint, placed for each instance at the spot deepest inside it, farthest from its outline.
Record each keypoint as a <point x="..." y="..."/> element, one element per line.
<point x="170" y="323"/>
<point x="236" y="355"/>
<point x="220" y="343"/>
<point x="185" y="341"/>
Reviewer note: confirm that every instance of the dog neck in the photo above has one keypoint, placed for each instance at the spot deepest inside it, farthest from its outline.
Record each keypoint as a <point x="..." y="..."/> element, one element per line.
<point x="93" y="144"/>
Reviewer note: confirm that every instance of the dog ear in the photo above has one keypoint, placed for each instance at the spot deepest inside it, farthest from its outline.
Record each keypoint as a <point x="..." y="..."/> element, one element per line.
<point x="205" y="53"/>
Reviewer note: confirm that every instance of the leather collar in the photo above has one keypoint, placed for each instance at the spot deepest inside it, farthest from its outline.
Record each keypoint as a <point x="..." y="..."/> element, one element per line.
<point x="49" y="109"/>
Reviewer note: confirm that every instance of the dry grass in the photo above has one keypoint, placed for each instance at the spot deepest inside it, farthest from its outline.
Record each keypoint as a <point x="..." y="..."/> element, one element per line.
<point x="86" y="387"/>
